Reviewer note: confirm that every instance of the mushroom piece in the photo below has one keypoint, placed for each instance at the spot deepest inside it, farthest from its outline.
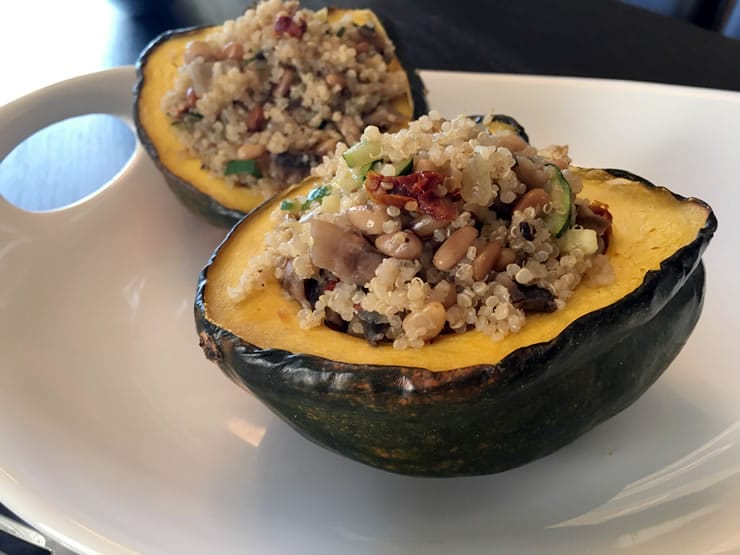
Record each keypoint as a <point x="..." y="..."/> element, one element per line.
<point x="343" y="252"/>
<point x="374" y="325"/>
<point x="293" y="284"/>
<point x="531" y="298"/>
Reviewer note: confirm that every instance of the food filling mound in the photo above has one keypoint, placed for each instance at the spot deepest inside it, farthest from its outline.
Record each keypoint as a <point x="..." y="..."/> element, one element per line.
<point x="268" y="94"/>
<point x="438" y="228"/>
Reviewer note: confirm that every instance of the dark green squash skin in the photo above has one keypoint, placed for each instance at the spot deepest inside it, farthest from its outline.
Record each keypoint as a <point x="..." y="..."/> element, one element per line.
<point x="480" y="419"/>
<point x="198" y="202"/>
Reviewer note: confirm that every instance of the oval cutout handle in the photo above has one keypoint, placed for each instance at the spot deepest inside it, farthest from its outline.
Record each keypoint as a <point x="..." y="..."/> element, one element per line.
<point x="103" y="92"/>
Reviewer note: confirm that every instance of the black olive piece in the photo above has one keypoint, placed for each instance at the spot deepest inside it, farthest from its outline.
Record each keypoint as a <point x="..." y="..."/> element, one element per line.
<point x="526" y="230"/>
<point x="312" y="290"/>
<point x="503" y="211"/>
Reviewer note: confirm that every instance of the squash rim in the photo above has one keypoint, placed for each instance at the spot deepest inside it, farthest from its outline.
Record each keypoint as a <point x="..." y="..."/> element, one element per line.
<point x="410" y="380"/>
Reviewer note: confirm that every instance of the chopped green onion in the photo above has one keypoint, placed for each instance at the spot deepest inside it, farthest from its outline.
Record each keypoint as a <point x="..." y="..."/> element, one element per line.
<point x="242" y="166"/>
<point x="316" y="194"/>
<point x="287" y="205"/>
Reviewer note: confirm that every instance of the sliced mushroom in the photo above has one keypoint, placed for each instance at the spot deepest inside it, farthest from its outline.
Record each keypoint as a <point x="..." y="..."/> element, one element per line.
<point x="293" y="284"/>
<point x="374" y="325"/>
<point x="343" y="252"/>
<point x="531" y="298"/>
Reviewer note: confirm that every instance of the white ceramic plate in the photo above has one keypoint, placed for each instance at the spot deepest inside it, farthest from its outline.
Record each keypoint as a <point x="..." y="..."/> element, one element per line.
<point x="118" y="436"/>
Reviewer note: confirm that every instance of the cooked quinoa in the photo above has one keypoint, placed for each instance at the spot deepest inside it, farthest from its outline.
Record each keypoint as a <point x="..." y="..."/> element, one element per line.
<point x="269" y="93"/>
<point x="438" y="228"/>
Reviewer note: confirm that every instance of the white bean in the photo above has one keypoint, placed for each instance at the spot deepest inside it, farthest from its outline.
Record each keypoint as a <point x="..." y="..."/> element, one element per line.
<point x="401" y="244"/>
<point x="426" y="323"/>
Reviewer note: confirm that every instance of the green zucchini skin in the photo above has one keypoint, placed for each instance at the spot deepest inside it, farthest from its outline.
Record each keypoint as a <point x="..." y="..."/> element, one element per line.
<point x="480" y="419"/>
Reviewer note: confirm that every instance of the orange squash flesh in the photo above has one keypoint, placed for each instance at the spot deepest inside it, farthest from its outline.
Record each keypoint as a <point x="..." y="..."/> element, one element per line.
<point x="650" y="225"/>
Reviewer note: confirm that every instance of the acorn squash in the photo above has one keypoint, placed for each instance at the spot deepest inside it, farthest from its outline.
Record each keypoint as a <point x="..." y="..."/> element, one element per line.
<point x="201" y="191"/>
<point x="466" y="405"/>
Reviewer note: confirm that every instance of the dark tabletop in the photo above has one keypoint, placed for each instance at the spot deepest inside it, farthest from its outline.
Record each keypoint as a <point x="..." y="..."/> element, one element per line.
<point x="595" y="38"/>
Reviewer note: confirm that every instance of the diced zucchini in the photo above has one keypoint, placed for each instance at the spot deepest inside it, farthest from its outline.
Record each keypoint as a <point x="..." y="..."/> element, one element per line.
<point x="359" y="174"/>
<point x="404" y="167"/>
<point x="561" y="198"/>
<point x="362" y="153"/>
<point x="586" y="240"/>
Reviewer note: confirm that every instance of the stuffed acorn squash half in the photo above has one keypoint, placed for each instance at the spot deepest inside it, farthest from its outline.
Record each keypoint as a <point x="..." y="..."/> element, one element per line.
<point x="449" y="300"/>
<point x="231" y="114"/>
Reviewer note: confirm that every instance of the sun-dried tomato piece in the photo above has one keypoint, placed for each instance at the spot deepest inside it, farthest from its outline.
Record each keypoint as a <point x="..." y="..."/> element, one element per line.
<point x="418" y="187"/>
<point x="286" y="24"/>
<point x="282" y="23"/>
<point x="601" y="209"/>
<point x="297" y="28"/>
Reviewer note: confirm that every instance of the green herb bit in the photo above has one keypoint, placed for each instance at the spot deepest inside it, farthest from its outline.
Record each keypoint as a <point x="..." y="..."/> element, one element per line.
<point x="341" y="31"/>
<point x="188" y="118"/>
<point x="242" y="166"/>
<point x="315" y="194"/>
<point x="287" y="205"/>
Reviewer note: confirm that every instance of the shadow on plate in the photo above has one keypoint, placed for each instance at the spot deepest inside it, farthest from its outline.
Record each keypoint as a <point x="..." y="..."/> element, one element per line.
<point x="635" y="472"/>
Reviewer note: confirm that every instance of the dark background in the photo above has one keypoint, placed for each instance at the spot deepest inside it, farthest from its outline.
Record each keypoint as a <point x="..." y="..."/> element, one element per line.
<point x="44" y="41"/>
<point x="685" y="42"/>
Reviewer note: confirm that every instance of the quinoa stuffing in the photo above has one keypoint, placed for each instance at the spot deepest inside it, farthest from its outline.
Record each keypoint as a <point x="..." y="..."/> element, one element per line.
<point x="439" y="228"/>
<point x="269" y="93"/>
